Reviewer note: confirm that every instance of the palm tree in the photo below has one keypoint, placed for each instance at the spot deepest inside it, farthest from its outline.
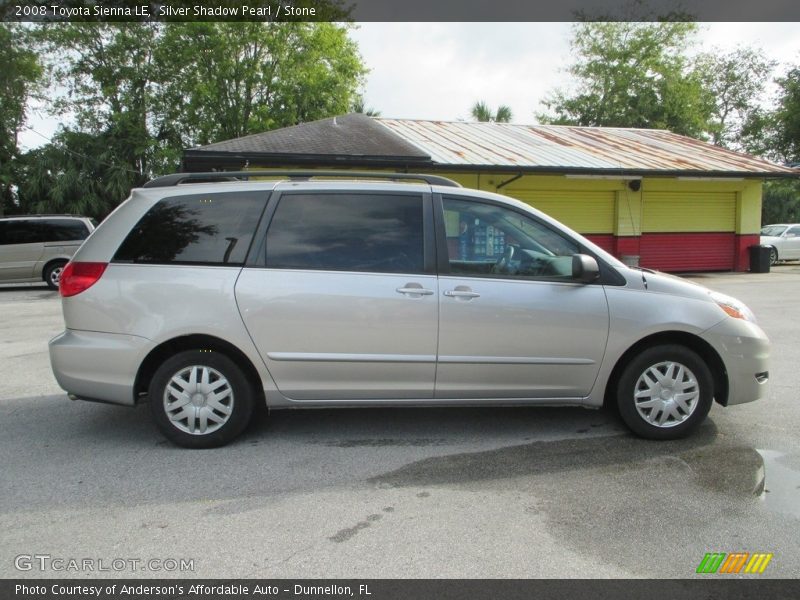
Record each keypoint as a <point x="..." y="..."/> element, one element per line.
<point x="359" y="107"/>
<point x="503" y="114"/>
<point x="481" y="112"/>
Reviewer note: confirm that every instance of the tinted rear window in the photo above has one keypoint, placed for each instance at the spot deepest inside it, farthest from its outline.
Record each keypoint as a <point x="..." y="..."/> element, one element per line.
<point x="63" y="230"/>
<point x="347" y="232"/>
<point x="196" y="229"/>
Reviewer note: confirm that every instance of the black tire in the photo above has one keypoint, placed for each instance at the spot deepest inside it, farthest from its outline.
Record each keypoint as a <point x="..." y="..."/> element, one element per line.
<point x="773" y="256"/>
<point x="52" y="274"/>
<point x="639" y="375"/>
<point x="220" y="371"/>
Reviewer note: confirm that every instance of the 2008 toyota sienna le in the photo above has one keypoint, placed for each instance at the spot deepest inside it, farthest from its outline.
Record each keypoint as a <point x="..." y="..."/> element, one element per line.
<point x="206" y="294"/>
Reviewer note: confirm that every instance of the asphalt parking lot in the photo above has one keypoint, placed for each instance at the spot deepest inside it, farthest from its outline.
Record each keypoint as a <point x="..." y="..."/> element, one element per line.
<point x="461" y="493"/>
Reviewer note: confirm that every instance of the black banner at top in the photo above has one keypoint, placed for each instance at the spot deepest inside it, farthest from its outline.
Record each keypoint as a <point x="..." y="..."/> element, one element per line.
<point x="399" y="10"/>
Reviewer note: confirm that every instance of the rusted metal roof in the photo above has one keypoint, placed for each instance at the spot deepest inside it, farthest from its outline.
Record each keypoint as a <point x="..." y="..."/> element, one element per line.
<point x="559" y="147"/>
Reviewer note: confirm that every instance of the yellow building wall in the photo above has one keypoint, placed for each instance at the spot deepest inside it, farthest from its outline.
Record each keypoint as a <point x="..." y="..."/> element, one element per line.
<point x="662" y="204"/>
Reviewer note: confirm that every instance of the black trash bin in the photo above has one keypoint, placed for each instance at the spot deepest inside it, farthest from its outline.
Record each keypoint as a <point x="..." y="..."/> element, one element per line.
<point x="759" y="259"/>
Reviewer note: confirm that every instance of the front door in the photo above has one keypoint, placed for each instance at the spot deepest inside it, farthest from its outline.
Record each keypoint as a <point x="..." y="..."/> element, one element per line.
<point x="791" y="244"/>
<point x="513" y="324"/>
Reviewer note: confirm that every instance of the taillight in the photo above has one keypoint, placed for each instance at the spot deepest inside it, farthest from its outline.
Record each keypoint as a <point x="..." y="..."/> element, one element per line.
<point x="80" y="276"/>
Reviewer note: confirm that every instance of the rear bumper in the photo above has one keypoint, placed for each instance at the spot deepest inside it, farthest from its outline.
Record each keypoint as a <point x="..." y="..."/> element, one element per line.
<point x="98" y="366"/>
<point x="744" y="348"/>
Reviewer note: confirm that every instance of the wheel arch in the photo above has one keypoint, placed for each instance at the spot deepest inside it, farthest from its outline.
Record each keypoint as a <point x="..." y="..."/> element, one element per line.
<point x="171" y="347"/>
<point x="707" y="352"/>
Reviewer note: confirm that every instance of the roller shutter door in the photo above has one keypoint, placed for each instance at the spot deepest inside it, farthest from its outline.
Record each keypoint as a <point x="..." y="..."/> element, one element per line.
<point x="688" y="231"/>
<point x="584" y="211"/>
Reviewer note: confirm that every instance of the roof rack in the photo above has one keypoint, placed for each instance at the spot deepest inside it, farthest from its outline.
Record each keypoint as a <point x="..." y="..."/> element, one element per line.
<point x="45" y="215"/>
<point x="179" y="178"/>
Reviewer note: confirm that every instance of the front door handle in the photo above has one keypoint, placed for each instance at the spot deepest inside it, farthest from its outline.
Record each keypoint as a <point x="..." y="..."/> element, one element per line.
<point x="414" y="289"/>
<point x="462" y="291"/>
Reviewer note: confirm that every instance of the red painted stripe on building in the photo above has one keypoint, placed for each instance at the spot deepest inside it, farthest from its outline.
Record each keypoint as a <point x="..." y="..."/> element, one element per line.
<point x="678" y="252"/>
<point x="627" y="245"/>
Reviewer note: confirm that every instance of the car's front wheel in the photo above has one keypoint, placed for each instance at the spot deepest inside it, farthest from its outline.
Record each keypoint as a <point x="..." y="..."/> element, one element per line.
<point x="200" y="399"/>
<point x="665" y="392"/>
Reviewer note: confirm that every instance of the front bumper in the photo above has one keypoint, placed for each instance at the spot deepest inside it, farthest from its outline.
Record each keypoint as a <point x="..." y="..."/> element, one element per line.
<point x="98" y="366"/>
<point x="744" y="349"/>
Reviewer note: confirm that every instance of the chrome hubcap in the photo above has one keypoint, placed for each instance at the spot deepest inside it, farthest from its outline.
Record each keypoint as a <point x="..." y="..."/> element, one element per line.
<point x="198" y="400"/>
<point x="666" y="394"/>
<point x="55" y="275"/>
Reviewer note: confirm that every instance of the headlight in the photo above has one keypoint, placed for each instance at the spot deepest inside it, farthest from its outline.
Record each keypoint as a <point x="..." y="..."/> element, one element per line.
<point x="733" y="307"/>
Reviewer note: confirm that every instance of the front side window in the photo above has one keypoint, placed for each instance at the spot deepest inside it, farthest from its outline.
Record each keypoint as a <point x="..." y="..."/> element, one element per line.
<point x="212" y="229"/>
<point x="488" y="240"/>
<point x="379" y="233"/>
<point x="773" y="230"/>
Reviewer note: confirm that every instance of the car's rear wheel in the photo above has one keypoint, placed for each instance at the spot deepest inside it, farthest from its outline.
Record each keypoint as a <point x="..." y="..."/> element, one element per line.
<point x="773" y="256"/>
<point x="200" y="399"/>
<point x="665" y="392"/>
<point x="52" y="274"/>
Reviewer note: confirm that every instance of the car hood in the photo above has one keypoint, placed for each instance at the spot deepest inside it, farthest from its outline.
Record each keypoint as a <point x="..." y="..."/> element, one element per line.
<point x="663" y="283"/>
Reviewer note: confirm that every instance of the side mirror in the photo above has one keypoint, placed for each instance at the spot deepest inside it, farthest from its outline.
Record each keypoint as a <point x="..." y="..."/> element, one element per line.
<point x="584" y="268"/>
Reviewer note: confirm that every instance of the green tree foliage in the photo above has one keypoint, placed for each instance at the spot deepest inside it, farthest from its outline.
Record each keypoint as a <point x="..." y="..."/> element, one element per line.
<point x="787" y="117"/>
<point x="736" y="81"/>
<point x="78" y="172"/>
<point x="633" y="75"/>
<point x="781" y="203"/>
<point x="481" y="112"/>
<point x="142" y="92"/>
<point x="775" y="133"/>
<point x="111" y="77"/>
<point x="233" y="79"/>
<point x="20" y="78"/>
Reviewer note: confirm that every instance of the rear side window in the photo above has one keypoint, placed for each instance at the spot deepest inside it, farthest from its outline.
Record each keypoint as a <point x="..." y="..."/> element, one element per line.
<point x="214" y="228"/>
<point x="63" y="230"/>
<point x="379" y="233"/>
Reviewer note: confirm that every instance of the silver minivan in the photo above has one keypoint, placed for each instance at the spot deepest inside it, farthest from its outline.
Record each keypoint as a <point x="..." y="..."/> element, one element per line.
<point x="36" y="247"/>
<point x="205" y="295"/>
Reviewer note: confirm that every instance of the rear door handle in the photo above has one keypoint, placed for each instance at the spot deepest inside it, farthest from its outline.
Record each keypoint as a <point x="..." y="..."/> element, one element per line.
<point x="414" y="289"/>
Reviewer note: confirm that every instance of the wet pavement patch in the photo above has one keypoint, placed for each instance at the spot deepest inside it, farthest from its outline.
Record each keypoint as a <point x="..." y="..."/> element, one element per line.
<point x="538" y="458"/>
<point x="782" y="488"/>
<point x="645" y="507"/>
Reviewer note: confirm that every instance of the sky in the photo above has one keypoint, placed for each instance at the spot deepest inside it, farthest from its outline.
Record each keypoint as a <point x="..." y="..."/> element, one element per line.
<point x="439" y="70"/>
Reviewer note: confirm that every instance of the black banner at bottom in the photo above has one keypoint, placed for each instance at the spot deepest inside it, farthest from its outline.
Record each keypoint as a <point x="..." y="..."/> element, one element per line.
<point x="391" y="589"/>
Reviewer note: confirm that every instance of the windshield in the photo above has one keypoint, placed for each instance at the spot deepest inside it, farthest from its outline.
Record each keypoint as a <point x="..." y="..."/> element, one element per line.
<point x="773" y="230"/>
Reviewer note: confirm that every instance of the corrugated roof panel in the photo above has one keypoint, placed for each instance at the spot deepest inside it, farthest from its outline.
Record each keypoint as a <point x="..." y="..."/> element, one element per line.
<point x="511" y="145"/>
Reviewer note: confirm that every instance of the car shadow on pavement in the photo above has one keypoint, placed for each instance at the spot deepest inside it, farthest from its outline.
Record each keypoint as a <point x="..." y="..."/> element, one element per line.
<point x="81" y="453"/>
